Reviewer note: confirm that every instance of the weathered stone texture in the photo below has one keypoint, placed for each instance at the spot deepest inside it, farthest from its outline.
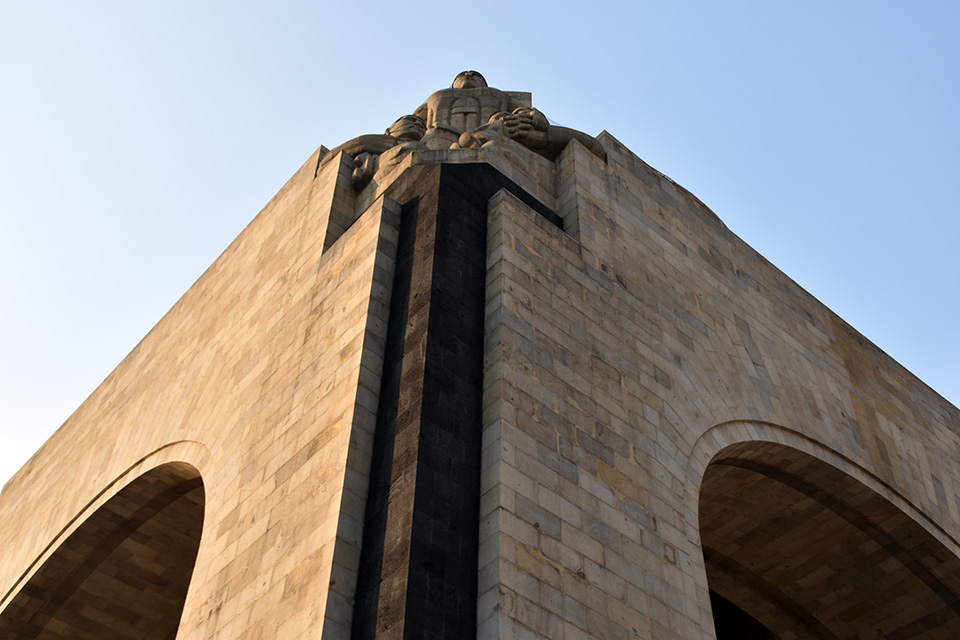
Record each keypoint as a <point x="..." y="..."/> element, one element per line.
<point x="650" y="409"/>
<point x="265" y="377"/>
<point x="619" y="365"/>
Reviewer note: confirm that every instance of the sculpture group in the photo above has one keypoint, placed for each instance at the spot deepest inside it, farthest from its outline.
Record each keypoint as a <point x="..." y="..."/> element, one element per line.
<point x="469" y="114"/>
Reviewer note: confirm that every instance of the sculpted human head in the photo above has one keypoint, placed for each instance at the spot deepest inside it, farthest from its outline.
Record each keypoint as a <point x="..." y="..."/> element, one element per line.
<point x="469" y="80"/>
<point x="407" y="128"/>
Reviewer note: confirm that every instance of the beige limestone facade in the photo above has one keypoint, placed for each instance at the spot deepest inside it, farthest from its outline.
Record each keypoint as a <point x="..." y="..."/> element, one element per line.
<point x="674" y="440"/>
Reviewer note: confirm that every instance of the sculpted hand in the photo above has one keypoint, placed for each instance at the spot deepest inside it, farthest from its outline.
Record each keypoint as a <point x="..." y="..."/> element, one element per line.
<point x="366" y="166"/>
<point x="526" y="126"/>
<point x="470" y="140"/>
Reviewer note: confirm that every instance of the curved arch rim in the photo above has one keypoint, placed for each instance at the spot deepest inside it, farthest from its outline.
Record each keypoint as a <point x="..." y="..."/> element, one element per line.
<point x="703" y="453"/>
<point x="189" y="452"/>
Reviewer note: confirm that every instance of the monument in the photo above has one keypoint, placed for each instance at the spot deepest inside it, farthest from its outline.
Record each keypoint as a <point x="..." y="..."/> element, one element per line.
<point x="485" y="376"/>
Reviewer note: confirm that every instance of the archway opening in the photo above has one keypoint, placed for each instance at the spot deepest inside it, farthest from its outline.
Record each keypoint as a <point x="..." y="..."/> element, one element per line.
<point x="795" y="549"/>
<point x="124" y="572"/>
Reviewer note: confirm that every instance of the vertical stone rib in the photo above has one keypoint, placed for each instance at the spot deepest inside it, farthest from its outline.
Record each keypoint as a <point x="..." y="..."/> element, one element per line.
<point x="418" y="566"/>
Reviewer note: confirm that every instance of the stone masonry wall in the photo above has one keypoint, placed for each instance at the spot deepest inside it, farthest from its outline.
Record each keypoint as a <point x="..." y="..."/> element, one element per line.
<point x="619" y="360"/>
<point x="620" y="356"/>
<point x="264" y="377"/>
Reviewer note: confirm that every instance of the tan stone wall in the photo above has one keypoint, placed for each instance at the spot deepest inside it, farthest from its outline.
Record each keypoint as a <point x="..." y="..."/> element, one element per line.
<point x="264" y="376"/>
<point x="622" y="356"/>
<point x="619" y="364"/>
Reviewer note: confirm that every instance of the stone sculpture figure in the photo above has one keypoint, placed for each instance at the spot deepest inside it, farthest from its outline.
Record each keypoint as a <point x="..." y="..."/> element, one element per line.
<point x="372" y="151"/>
<point x="529" y="127"/>
<point x="468" y="114"/>
<point x="468" y="104"/>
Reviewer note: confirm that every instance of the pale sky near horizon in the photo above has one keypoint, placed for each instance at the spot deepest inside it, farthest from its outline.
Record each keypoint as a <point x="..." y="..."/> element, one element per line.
<point x="138" y="139"/>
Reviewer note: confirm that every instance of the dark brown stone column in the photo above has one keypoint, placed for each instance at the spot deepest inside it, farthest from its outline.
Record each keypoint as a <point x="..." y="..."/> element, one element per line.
<point x="418" y="565"/>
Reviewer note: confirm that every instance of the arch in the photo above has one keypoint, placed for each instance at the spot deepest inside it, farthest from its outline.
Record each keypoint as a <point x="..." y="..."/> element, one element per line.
<point x="809" y="545"/>
<point x="122" y="570"/>
<point x="713" y="441"/>
<point x="188" y="452"/>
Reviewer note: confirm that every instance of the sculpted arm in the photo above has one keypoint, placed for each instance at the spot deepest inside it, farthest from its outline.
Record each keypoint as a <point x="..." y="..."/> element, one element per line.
<point x="365" y="151"/>
<point x="558" y="137"/>
<point x="374" y="144"/>
<point x="403" y="135"/>
<point x="530" y="128"/>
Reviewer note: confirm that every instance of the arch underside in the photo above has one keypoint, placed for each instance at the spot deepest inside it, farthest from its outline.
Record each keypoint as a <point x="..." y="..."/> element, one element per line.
<point x="810" y="552"/>
<point x="124" y="572"/>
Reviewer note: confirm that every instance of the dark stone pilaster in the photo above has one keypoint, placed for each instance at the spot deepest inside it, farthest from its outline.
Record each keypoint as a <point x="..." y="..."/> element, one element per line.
<point x="418" y="564"/>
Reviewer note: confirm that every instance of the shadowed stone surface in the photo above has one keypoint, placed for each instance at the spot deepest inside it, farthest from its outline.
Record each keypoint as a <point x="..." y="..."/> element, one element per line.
<point x="124" y="573"/>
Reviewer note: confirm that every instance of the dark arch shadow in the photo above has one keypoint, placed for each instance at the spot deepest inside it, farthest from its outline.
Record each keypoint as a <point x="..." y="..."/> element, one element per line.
<point x="124" y="572"/>
<point x="731" y="621"/>
<point x="810" y="552"/>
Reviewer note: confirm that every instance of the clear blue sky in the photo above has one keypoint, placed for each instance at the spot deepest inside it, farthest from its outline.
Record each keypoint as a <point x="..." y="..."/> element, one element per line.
<point x="137" y="139"/>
